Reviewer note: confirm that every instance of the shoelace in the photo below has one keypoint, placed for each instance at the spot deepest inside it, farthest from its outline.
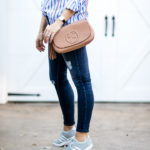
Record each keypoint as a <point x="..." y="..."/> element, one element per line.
<point x="61" y="138"/>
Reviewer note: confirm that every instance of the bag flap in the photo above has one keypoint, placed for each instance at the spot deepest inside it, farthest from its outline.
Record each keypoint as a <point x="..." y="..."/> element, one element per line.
<point x="72" y="34"/>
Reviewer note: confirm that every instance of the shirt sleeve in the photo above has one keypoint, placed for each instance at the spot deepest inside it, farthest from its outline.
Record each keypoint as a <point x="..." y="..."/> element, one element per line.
<point x="72" y="5"/>
<point x="43" y="8"/>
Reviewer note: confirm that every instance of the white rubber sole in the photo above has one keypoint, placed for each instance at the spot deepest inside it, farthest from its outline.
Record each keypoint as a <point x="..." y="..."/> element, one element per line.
<point x="88" y="148"/>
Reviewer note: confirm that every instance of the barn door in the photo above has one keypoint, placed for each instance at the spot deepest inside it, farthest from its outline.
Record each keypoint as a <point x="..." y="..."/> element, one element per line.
<point x="133" y="50"/>
<point x="102" y="52"/>
<point x="28" y="69"/>
<point x="119" y="55"/>
<point x="28" y="78"/>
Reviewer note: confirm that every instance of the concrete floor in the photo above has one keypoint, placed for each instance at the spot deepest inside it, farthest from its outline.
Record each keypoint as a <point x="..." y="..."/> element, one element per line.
<point x="114" y="126"/>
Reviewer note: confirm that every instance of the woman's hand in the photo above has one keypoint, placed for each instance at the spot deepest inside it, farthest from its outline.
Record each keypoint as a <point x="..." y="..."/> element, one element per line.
<point x="39" y="42"/>
<point x="51" y="30"/>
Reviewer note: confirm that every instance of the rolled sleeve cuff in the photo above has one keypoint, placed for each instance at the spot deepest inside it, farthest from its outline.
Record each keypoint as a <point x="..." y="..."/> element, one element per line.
<point x="44" y="13"/>
<point x="42" y="8"/>
<point x="72" y="5"/>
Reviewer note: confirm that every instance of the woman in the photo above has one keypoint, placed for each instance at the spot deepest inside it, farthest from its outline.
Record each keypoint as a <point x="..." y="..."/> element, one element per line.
<point x="68" y="11"/>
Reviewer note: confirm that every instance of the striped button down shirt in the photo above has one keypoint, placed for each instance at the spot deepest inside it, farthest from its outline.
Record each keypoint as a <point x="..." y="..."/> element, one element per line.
<point x="78" y="6"/>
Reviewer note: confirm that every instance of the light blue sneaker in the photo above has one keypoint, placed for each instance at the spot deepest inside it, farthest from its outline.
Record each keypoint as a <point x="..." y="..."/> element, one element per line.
<point x="65" y="137"/>
<point x="77" y="145"/>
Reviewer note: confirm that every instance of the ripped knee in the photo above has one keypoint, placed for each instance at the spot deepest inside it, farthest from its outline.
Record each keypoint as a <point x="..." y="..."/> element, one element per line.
<point x="69" y="65"/>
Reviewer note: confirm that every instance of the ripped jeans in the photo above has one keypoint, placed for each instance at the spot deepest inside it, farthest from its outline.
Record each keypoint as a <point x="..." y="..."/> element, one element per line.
<point x="77" y="63"/>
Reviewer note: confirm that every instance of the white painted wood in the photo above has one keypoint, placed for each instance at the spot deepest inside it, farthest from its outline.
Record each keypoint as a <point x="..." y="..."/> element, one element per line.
<point x="28" y="71"/>
<point x="118" y="65"/>
<point x="124" y="59"/>
<point x="3" y="54"/>
<point x="102" y="52"/>
<point x="133" y="49"/>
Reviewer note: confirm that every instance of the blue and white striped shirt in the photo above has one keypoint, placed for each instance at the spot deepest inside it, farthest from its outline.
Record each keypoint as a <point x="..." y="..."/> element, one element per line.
<point x="78" y="6"/>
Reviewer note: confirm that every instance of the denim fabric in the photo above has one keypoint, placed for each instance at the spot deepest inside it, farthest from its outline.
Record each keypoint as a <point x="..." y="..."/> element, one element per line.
<point x="77" y="63"/>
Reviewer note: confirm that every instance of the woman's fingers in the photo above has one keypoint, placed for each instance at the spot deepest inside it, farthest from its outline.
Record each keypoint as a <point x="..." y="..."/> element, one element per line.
<point x="46" y="37"/>
<point x="51" y="38"/>
<point x="50" y="32"/>
<point x="39" y="45"/>
<point x="42" y="45"/>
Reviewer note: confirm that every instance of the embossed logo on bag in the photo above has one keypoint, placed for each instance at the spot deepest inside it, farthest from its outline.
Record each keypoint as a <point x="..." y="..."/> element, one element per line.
<point x="72" y="37"/>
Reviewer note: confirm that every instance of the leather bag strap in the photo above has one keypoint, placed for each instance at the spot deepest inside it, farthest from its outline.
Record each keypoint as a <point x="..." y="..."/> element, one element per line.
<point x="58" y="5"/>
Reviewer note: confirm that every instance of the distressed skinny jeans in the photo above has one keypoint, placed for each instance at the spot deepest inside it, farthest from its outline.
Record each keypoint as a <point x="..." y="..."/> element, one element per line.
<point x="77" y="63"/>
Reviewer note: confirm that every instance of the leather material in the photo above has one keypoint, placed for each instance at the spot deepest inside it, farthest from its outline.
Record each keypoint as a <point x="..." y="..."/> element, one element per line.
<point x="73" y="36"/>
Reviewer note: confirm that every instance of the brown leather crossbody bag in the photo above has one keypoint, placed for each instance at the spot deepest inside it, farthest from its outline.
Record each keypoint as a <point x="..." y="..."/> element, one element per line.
<point x="73" y="36"/>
